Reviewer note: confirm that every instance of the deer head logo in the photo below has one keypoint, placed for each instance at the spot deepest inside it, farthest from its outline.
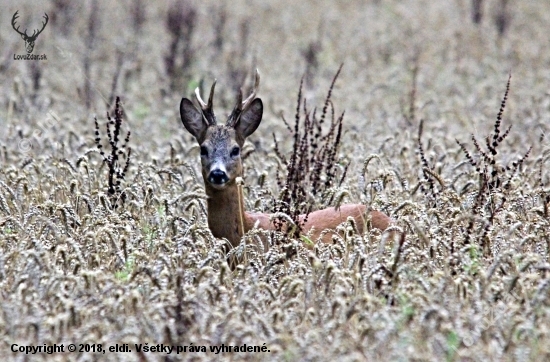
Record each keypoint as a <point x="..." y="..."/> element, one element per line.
<point x="29" y="39"/>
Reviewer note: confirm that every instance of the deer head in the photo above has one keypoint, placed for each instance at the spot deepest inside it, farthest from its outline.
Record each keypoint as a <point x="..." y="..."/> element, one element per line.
<point x="220" y="145"/>
<point x="29" y="40"/>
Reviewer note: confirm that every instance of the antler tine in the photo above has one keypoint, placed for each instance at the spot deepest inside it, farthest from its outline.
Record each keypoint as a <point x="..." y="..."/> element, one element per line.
<point x="205" y="106"/>
<point x="211" y="97"/>
<point x="242" y="105"/>
<point x="252" y="95"/>
<point x="13" y="23"/>
<point x="240" y="102"/>
<point x="207" y="110"/>
<point x="43" y="24"/>
<point x="199" y="99"/>
<point x="14" y="18"/>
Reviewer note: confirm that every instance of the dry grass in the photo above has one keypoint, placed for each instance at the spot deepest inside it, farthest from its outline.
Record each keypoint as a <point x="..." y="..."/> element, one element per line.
<point x="469" y="282"/>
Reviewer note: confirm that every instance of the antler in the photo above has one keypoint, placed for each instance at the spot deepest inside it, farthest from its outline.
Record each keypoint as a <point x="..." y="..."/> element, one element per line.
<point x="15" y="16"/>
<point x="43" y="26"/>
<point x="207" y="109"/>
<point x="34" y="34"/>
<point x="243" y="105"/>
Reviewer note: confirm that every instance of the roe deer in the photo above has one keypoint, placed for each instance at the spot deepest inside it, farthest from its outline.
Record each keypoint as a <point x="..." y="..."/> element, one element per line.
<point x="220" y="149"/>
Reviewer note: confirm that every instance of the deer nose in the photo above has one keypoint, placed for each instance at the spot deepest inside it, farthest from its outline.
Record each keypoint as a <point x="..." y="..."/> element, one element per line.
<point x="217" y="177"/>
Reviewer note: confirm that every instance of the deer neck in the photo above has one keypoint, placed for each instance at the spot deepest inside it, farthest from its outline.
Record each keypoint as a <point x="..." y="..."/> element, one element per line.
<point x="226" y="215"/>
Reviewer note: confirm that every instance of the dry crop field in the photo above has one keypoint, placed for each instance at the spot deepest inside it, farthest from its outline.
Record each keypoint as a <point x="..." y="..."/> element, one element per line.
<point x="106" y="255"/>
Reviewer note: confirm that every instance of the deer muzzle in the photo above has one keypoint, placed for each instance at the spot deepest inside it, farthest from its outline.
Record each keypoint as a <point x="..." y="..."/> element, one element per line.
<point x="218" y="177"/>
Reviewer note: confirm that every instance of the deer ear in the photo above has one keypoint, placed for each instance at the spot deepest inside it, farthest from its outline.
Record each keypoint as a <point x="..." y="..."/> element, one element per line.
<point x="192" y="119"/>
<point x="250" y="119"/>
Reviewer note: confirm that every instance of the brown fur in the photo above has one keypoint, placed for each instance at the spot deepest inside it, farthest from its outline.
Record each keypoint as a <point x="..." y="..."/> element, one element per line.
<point x="224" y="217"/>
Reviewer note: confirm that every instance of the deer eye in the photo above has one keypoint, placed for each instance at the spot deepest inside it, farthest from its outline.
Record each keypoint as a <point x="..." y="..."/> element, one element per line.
<point x="204" y="151"/>
<point x="235" y="151"/>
